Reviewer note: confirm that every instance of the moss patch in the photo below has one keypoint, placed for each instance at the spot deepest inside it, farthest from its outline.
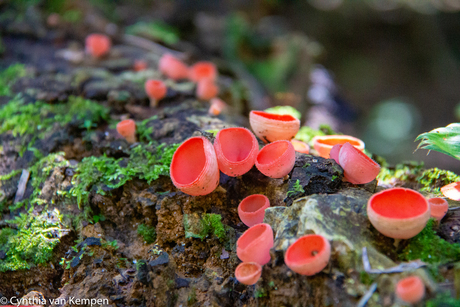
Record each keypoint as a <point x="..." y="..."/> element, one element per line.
<point x="430" y="248"/>
<point x="434" y="178"/>
<point x="208" y="224"/>
<point x="9" y="76"/>
<point x="401" y="172"/>
<point x="147" y="232"/>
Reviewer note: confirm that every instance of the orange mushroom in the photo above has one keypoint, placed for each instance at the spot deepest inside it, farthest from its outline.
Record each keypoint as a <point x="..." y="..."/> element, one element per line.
<point x="452" y="191"/>
<point x="156" y="90"/>
<point x="255" y="244"/>
<point x="206" y="89"/>
<point x="172" y="67"/>
<point x="251" y="210"/>
<point x="439" y="207"/>
<point x="127" y="129"/>
<point x="97" y="45"/>
<point x="323" y="144"/>
<point x="410" y="289"/>
<point x="217" y="106"/>
<point x="271" y="127"/>
<point x="202" y="70"/>
<point x="248" y="273"/>
<point x="358" y="168"/>
<point x="300" y="146"/>
<point x="276" y="159"/>
<point x="139" y="65"/>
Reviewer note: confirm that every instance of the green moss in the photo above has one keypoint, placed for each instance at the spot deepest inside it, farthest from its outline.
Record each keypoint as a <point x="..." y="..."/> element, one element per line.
<point x="433" y="179"/>
<point x="39" y="118"/>
<point x="208" y="224"/>
<point x="147" y="232"/>
<point x="430" y="248"/>
<point x="297" y="188"/>
<point x="9" y="76"/>
<point x="155" y="30"/>
<point x="33" y="241"/>
<point x="306" y="134"/>
<point x="284" y="110"/>
<point x="144" y="131"/>
<point x="145" y="162"/>
<point x="443" y="299"/>
<point x="11" y="174"/>
<point x="401" y="172"/>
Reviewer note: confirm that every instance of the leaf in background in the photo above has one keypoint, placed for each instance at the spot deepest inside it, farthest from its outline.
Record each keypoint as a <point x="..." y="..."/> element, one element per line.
<point x="445" y="140"/>
<point x="155" y="30"/>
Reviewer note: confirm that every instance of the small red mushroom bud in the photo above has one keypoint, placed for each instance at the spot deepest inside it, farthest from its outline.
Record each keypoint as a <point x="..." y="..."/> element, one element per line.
<point x="172" y="67"/>
<point x="97" y="45"/>
<point x="452" y="191"/>
<point x="439" y="207"/>
<point x="255" y="244"/>
<point x="300" y="146"/>
<point x="156" y="90"/>
<point x="127" y="129"/>
<point x="251" y="210"/>
<point x="140" y="65"/>
<point x="206" y="89"/>
<point x="248" y="273"/>
<point x="202" y="70"/>
<point x="410" y="289"/>
<point x="308" y="255"/>
<point x="217" y="106"/>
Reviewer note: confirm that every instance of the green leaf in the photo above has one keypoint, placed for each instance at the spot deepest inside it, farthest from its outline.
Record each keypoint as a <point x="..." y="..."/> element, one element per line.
<point x="445" y="140"/>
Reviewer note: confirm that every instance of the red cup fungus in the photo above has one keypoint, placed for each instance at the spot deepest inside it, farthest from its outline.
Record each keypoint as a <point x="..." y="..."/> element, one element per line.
<point x="251" y="210"/>
<point x="127" y="129"/>
<point x="308" y="255"/>
<point x="97" y="45"/>
<point x="452" y="191"/>
<point x="358" y="168"/>
<point x="323" y="144"/>
<point x="334" y="153"/>
<point x="248" y="273"/>
<point x="410" y="289"/>
<point x="236" y="150"/>
<point x="255" y="244"/>
<point x="140" y="65"/>
<point x="156" y="90"/>
<point x="276" y="159"/>
<point x="300" y="146"/>
<point x="206" y="89"/>
<point x="438" y="207"/>
<point x="194" y="168"/>
<point x="202" y="70"/>
<point x="398" y="213"/>
<point x="271" y="127"/>
<point x="217" y="106"/>
<point x="172" y="67"/>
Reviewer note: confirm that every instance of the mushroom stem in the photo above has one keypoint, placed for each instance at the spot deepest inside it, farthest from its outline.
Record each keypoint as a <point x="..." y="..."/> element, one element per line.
<point x="153" y="102"/>
<point x="396" y="243"/>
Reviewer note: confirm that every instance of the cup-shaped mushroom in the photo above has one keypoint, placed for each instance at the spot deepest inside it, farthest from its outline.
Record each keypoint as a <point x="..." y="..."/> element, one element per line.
<point x="276" y="159"/>
<point x="206" y="89"/>
<point x="323" y="144"/>
<point x="255" y="244"/>
<point x="438" y="207"/>
<point x="410" y="289"/>
<point x="334" y="154"/>
<point x="217" y="106"/>
<point x="172" y="67"/>
<point x="358" y="168"/>
<point x="194" y="168"/>
<point x="251" y="210"/>
<point x="97" y="45"/>
<point x="300" y="146"/>
<point x="452" y="191"/>
<point x="156" y="90"/>
<point x="236" y="150"/>
<point x="248" y="273"/>
<point x="308" y="255"/>
<point x="271" y="127"/>
<point x="398" y="213"/>
<point x="127" y="129"/>
<point x="202" y="70"/>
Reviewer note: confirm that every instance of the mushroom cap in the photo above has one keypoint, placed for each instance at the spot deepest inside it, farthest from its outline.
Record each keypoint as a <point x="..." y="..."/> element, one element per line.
<point x="217" y="106"/>
<point x="194" y="168"/>
<point x="452" y="191"/>
<point x="438" y="207"/>
<point x="308" y="255"/>
<point x="334" y="153"/>
<point x="126" y="128"/>
<point x="206" y="89"/>
<point x="358" y="168"/>
<point x="251" y="210"/>
<point x="202" y="70"/>
<point x="155" y="89"/>
<point x="398" y="213"/>
<point x="410" y="289"/>
<point x="271" y="127"/>
<point x="255" y="244"/>
<point x="300" y="146"/>
<point x="276" y="159"/>
<point x="97" y="45"/>
<point x="323" y="144"/>
<point x="140" y="65"/>
<point x="248" y="273"/>
<point x="172" y="67"/>
<point x="236" y="150"/>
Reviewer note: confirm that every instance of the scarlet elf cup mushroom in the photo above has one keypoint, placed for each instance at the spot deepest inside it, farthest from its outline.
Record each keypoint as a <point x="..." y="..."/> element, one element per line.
<point x="156" y="90"/>
<point x="172" y="67"/>
<point x="410" y="289"/>
<point x="248" y="273"/>
<point x="276" y="159"/>
<point x="251" y="210"/>
<point x="255" y="244"/>
<point x="97" y="45"/>
<point x="271" y="127"/>
<point x="308" y="255"/>
<point x="358" y="168"/>
<point x="438" y="207"/>
<point x="194" y="168"/>
<point x="323" y="144"/>
<point x="236" y="150"/>
<point x="398" y="213"/>
<point x="202" y="70"/>
<point x="127" y="129"/>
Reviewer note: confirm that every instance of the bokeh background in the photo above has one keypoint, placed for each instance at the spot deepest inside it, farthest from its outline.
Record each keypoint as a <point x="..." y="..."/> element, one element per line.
<point x="382" y="70"/>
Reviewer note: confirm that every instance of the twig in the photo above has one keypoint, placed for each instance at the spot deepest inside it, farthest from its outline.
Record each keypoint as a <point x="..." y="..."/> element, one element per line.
<point x="403" y="267"/>
<point x="453" y="208"/>
<point x="363" y="301"/>
<point x="22" y="185"/>
<point x="151" y="46"/>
